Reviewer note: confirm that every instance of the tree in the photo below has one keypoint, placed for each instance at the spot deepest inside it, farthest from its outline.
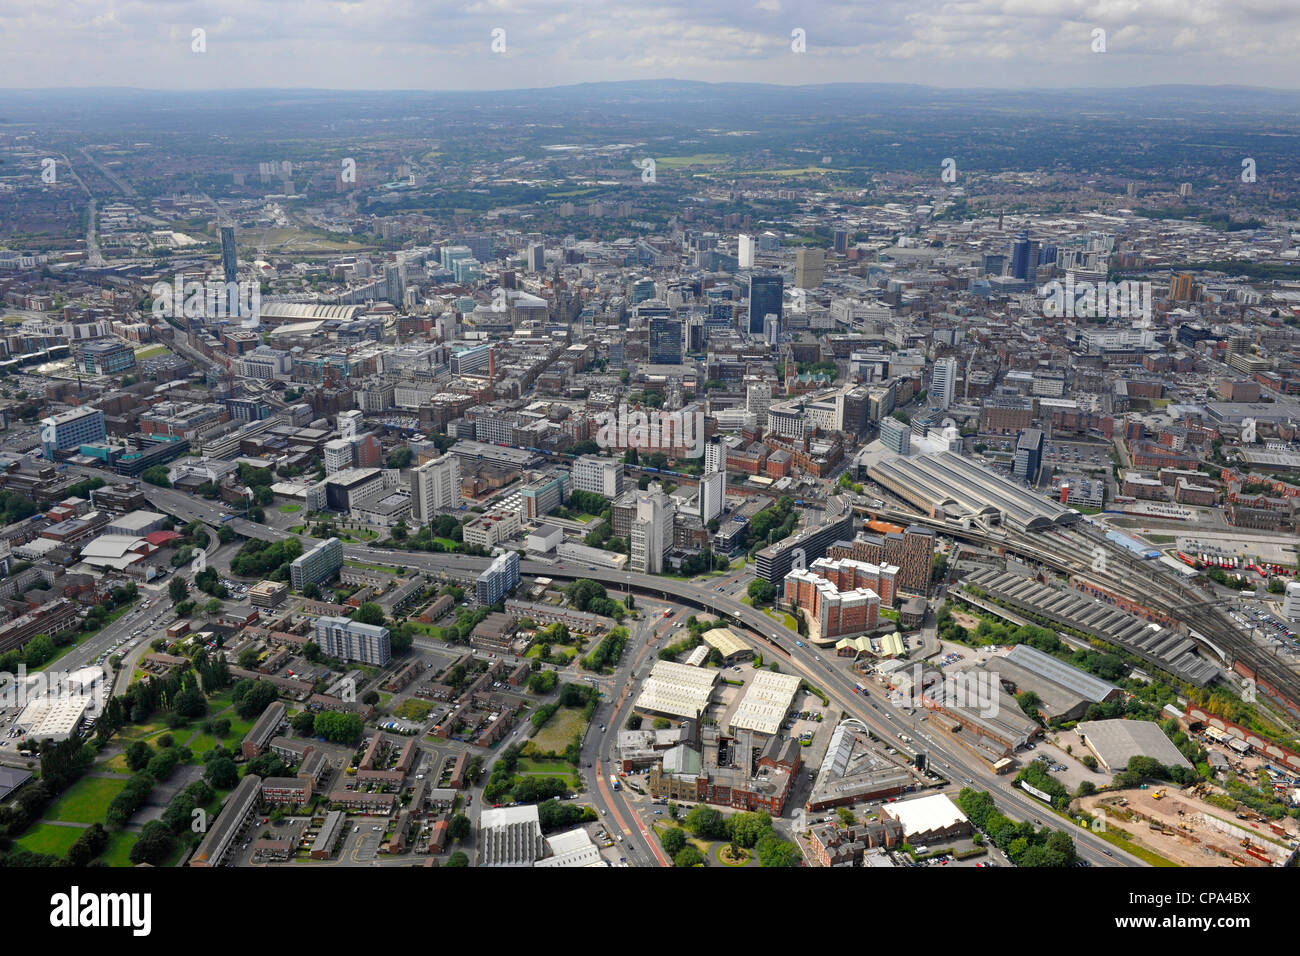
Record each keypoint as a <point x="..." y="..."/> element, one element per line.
<point x="706" y="822"/>
<point x="458" y="827"/>
<point x="213" y="607"/>
<point x="673" y="841"/>
<point x="177" y="590"/>
<point x="138" y="755"/>
<point x="847" y="817"/>
<point x="221" y="774"/>
<point x="304" y="723"/>
<point x="458" y="859"/>
<point x="760" y="591"/>
<point x="369" y="613"/>
<point x="688" y="856"/>
<point x="157" y="475"/>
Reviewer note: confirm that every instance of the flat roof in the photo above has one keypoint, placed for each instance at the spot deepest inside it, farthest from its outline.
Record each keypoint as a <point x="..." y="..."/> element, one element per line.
<point x="1116" y="741"/>
<point x="926" y="814"/>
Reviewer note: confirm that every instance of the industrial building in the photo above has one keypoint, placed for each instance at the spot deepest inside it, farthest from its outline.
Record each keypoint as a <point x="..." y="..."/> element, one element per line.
<point x="946" y="485"/>
<point x="853" y="770"/>
<point x="1064" y="692"/>
<point x="927" y="819"/>
<point x="767" y="700"/>
<point x="676" y="690"/>
<point x="1115" y="742"/>
<point x="1169" y="650"/>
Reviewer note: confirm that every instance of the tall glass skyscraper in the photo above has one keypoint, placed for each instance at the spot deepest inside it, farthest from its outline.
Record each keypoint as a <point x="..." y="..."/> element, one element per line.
<point x="765" y="292"/>
<point x="1020" y="266"/>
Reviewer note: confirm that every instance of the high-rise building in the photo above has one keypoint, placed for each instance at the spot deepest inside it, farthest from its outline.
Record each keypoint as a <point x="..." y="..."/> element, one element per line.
<point x="841" y="241"/>
<point x="665" y="340"/>
<point x="318" y="565"/>
<point x="1291" y="603"/>
<point x="347" y="640"/>
<point x="601" y="476"/>
<point x="943" y="383"/>
<point x="350" y="423"/>
<point x="745" y="247"/>
<point x="395" y="284"/>
<point x="435" y="487"/>
<point x="713" y="493"/>
<point x="896" y="436"/>
<point x="1182" y="287"/>
<point x="1020" y="265"/>
<point x="71" y="429"/>
<point x="765" y="298"/>
<point x="809" y="268"/>
<point x="230" y="268"/>
<point x="497" y="581"/>
<point x="106" y="357"/>
<point x="1029" y="455"/>
<point x="536" y="257"/>
<point x="338" y="456"/>
<point x="651" y="532"/>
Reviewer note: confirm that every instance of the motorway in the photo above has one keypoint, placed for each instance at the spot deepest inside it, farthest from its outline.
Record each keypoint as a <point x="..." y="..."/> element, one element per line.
<point x="825" y="674"/>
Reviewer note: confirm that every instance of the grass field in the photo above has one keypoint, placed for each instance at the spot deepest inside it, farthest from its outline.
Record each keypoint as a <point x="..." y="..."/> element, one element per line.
<point x="289" y="509"/>
<point x="152" y="352"/>
<point x="555" y="768"/>
<point x="119" y="848"/>
<point x="567" y="723"/>
<point x="782" y="618"/>
<point x="47" y="838"/>
<point x="86" y="800"/>
<point x="698" y="159"/>
<point x="447" y="542"/>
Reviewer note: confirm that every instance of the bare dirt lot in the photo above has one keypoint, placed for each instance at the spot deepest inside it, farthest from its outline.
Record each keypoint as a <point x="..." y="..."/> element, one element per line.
<point x="1201" y="835"/>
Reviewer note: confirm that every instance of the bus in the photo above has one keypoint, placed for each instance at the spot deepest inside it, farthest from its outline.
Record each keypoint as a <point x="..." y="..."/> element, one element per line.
<point x="613" y="782"/>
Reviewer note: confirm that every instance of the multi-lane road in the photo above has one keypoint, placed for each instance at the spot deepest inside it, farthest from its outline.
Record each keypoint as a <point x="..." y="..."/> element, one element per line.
<point x="831" y="677"/>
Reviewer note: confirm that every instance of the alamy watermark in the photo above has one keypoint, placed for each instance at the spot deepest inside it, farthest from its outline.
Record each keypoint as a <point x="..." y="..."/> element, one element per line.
<point x="1095" y="300"/>
<point x="20" y="689"/>
<point x="974" y="689"/>
<point x="198" y="300"/>
<point x="681" y="431"/>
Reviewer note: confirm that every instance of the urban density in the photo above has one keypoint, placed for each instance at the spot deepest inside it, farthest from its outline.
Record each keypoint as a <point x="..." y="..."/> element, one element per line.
<point x="650" y="475"/>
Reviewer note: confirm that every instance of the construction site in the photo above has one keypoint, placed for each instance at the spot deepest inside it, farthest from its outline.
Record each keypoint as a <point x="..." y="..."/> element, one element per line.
<point x="1182" y="827"/>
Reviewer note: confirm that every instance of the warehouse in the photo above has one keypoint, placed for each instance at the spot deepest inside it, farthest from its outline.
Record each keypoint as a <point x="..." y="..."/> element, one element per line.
<point x="725" y="642"/>
<point x="928" y="819"/>
<point x="947" y="485"/>
<point x="1063" y="691"/>
<point x="766" y="702"/>
<point x="1115" y="742"/>
<point x="853" y="770"/>
<point x="676" y="690"/>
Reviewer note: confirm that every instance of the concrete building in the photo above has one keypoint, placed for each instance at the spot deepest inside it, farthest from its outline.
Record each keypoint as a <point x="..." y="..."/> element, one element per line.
<point x="435" y="487"/>
<point x="318" y="565"/>
<point x="501" y="576"/>
<point x="348" y="640"/>
<point x="601" y="476"/>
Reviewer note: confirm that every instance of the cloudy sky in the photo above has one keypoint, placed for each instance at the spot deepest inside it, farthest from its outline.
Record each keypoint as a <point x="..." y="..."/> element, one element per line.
<point x="407" y="44"/>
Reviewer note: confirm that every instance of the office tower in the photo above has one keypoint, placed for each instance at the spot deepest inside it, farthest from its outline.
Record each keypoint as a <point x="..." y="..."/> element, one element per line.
<point x="318" y="565"/>
<point x="497" y="581"/>
<point x="771" y="329"/>
<point x="665" y="340"/>
<point x="395" y="284"/>
<point x="1029" y="455"/>
<point x="338" y="455"/>
<point x="230" y="268"/>
<point x="841" y="241"/>
<point x="1185" y="190"/>
<point x="71" y="429"/>
<point x="651" y="532"/>
<point x="943" y="383"/>
<point x="765" y="298"/>
<point x="745" y="247"/>
<point x="1291" y="603"/>
<point x="758" y="398"/>
<point x="993" y="264"/>
<point x="601" y="476"/>
<point x="896" y="436"/>
<point x="809" y="268"/>
<point x="350" y="423"/>
<point x="347" y="640"/>
<point x="435" y="487"/>
<point x="536" y="257"/>
<point x="1020" y="267"/>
